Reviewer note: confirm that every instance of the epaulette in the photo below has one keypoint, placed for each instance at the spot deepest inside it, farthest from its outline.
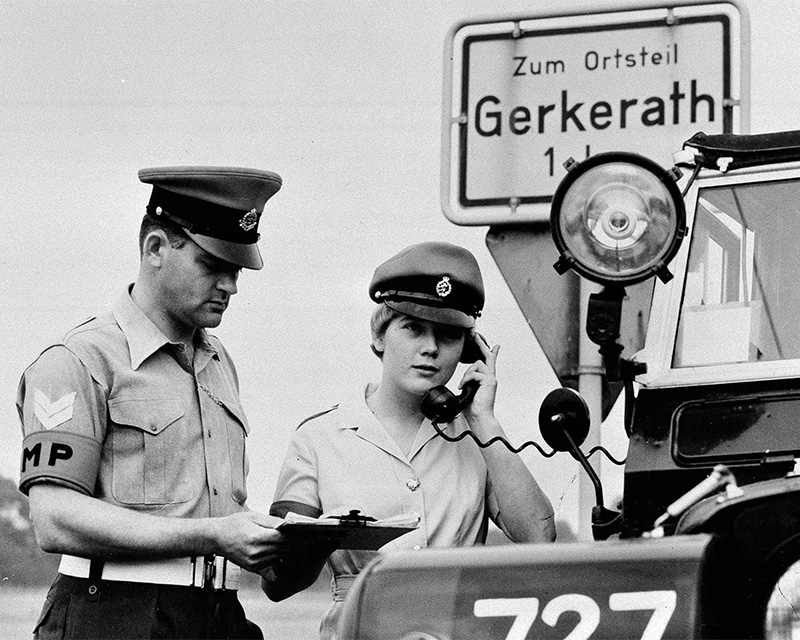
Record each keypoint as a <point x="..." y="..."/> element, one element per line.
<point x="79" y="327"/>
<point x="317" y="415"/>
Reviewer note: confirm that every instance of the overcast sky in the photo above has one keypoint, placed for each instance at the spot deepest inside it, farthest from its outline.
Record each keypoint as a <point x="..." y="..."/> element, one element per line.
<point x="341" y="99"/>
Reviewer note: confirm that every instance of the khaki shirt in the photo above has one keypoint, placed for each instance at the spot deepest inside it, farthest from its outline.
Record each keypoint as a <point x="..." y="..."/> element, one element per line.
<point x="143" y="428"/>
<point x="344" y="459"/>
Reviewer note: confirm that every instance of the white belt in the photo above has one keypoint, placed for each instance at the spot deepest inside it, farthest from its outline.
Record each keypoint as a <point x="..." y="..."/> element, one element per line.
<point x="214" y="571"/>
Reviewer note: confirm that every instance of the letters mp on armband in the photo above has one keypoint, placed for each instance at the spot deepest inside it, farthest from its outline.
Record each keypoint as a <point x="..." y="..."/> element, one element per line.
<point x="65" y="458"/>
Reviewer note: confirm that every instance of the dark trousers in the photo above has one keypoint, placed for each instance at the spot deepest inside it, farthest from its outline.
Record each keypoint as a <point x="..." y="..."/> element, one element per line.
<point x="86" y="608"/>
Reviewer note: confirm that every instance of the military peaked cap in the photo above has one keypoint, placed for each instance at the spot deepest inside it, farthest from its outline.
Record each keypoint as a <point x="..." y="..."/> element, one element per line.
<point x="434" y="281"/>
<point x="219" y="207"/>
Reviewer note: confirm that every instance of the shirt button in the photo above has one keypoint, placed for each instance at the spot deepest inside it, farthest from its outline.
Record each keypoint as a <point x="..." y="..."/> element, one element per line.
<point x="412" y="484"/>
<point x="215" y="491"/>
<point x="417" y="547"/>
<point x="153" y="428"/>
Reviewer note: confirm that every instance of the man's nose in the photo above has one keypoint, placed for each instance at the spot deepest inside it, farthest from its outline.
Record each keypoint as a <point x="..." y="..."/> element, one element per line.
<point x="227" y="282"/>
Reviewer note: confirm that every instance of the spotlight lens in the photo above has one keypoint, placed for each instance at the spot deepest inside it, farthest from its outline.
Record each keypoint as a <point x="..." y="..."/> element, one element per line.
<point x="619" y="219"/>
<point x="615" y="216"/>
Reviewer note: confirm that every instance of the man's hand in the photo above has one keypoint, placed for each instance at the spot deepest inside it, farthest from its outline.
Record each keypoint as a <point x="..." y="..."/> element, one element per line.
<point x="250" y="540"/>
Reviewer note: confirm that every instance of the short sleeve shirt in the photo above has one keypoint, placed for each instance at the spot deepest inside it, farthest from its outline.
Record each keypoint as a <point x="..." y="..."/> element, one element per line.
<point x="117" y="411"/>
<point x="344" y="459"/>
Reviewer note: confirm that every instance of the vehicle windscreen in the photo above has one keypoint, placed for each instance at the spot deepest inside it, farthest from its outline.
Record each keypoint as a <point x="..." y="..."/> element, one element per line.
<point x="741" y="297"/>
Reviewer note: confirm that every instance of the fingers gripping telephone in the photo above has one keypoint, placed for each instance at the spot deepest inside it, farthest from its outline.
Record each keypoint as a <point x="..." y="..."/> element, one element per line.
<point x="440" y="405"/>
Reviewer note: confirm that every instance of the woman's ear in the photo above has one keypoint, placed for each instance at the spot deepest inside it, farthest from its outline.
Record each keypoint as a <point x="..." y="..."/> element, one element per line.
<point x="377" y="346"/>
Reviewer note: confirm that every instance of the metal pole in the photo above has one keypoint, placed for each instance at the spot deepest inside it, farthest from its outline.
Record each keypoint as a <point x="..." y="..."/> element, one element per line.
<point x="590" y="386"/>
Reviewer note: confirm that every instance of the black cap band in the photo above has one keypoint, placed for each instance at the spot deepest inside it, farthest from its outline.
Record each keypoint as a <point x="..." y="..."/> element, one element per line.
<point x="410" y="289"/>
<point x="203" y="217"/>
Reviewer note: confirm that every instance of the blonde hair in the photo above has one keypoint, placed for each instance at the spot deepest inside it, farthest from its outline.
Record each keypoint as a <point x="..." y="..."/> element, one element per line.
<point x="378" y="323"/>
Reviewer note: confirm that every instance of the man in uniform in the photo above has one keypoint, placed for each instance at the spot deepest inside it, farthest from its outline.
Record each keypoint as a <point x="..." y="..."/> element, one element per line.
<point x="134" y="435"/>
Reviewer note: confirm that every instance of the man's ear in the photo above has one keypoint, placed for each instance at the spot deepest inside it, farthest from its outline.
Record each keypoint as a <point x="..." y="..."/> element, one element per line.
<point x="153" y="247"/>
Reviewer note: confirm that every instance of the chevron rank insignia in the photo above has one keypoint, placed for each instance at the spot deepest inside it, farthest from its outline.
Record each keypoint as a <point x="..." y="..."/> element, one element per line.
<point x="52" y="414"/>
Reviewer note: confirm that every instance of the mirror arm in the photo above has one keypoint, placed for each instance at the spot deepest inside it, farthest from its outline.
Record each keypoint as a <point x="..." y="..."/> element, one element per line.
<point x="580" y="457"/>
<point x="605" y="522"/>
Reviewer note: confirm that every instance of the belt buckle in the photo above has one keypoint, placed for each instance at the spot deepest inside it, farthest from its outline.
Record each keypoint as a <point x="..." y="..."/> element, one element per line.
<point x="214" y="570"/>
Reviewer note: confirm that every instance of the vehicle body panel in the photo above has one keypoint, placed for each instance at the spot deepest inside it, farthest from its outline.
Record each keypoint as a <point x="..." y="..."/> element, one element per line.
<point x="532" y="590"/>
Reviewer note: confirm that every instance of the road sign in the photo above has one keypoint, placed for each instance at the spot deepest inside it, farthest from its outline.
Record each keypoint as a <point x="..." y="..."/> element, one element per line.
<point x="523" y="95"/>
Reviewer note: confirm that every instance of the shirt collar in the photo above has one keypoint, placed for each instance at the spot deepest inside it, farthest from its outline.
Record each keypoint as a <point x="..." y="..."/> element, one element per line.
<point x="355" y="414"/>
<point x="145" y="338"/>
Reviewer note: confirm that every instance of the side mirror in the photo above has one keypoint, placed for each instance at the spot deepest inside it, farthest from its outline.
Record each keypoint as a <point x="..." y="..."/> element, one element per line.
<point x="564" y="424"/>
<point x="564" y="420"/>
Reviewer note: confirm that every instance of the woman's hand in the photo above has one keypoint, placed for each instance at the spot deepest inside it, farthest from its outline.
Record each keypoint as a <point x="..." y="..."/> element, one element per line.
<point x="481" y="372"/>
<point x="517" y="504"/>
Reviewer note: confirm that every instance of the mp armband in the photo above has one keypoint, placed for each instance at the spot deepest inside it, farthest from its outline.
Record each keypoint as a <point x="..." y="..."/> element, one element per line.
<point x="62" y="457"/>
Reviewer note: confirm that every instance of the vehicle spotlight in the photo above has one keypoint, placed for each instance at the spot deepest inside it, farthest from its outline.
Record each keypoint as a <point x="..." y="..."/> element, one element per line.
<point x="618" y="219"/>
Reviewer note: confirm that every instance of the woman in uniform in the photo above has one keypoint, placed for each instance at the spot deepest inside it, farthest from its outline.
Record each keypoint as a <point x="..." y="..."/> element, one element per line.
<point x="376" y="452"/>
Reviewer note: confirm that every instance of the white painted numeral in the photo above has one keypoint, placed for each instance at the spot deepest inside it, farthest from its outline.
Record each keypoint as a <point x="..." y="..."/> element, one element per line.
<point x="661" y="602"/>
<point x="584" y="605"/>
<point x="525" y="610"/>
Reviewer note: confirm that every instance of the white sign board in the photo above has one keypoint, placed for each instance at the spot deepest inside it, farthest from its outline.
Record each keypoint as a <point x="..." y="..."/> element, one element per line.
<point x="528" y="94"/>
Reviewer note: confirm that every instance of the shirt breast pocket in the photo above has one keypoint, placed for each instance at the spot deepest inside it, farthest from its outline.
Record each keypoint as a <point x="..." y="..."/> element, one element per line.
<point x="152" y="449"/>
<point x="238" y="430"/>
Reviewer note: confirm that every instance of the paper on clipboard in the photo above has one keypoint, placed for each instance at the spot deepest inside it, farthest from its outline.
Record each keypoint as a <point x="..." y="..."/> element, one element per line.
<point x="351" y="531"/>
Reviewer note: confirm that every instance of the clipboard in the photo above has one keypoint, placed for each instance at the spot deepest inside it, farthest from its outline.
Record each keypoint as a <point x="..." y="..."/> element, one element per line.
<point x="350" y="531"/>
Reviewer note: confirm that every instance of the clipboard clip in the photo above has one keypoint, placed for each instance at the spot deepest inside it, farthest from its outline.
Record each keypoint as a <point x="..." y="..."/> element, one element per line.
<point x="354" y="519"/>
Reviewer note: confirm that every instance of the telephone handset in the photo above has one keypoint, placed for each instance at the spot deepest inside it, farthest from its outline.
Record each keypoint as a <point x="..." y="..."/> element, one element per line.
<point x="440" y="405"/>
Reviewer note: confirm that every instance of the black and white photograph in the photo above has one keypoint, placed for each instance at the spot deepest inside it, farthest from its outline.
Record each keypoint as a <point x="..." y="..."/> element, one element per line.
<point x="399" y="320"/>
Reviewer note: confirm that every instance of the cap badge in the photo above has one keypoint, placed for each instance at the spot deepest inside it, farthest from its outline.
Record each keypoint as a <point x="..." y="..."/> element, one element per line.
<point x="443" y="287"/>
<point x="249" y="220"/>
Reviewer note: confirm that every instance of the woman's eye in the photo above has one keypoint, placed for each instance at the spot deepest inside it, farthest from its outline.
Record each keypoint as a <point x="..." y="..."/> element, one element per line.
<point x="452" y="336"/>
